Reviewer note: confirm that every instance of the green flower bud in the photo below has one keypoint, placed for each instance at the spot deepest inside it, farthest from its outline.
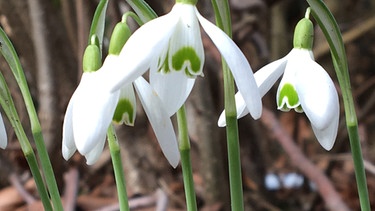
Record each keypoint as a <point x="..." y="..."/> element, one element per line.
<point x="304" y="33"/>
<point x="92" y="59"/>
<point x="120" y="35"/>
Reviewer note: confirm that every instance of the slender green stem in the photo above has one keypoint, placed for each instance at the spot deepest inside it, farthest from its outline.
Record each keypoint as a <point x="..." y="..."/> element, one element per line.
<point x="10" y="110"/>
<point x="114" y="149"/>
<point x="187" y="172"/>
<point x="143" y="10"/>
<point x="222" y="14"/>
<point x="359" y="167"/>
<point x="234" y="162"/>
<point x="331" y="30"/>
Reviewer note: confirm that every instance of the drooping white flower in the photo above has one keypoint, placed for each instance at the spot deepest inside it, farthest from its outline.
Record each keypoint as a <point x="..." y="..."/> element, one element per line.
<point x="305" y="87"/>
<point x="171" y="48"/>
<point x="87" y="119"/>
<point x="93" y="106"/>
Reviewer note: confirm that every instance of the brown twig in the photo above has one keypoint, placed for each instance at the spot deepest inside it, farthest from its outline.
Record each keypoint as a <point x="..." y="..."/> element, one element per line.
<point x="14" y="180"/>
<point x="327" y="191"/>
<point x="71" y="179"/>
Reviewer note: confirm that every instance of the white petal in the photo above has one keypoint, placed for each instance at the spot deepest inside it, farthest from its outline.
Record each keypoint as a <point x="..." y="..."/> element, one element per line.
<point x="95" y="153"/>
<point x="93" y="110"/>
<point x="327" y="136"/>
<point x="67" y="152"/>
<point x="238" y="64"/>
<point x="143" y="48"/>
<point x="319" y="100"/>
<point x="240" y="108"/>
<point x="265" y="79"/>
<point x="159" y="119"/>
<point x="317" y="94"/>
<point x="173" y="89"/>
<point x="267" y="76"/>
<point x="3" y="134"/>
<point x="67" y="137"/>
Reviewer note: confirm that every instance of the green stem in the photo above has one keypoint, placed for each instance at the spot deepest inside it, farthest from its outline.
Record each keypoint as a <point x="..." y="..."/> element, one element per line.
<point x="234" y="161"/>
<point x="114" y="148"/>
<point x="187" y="172"/>
<point x="143" y="10"/>
<point x="222" y="15"/>
<point x="359" y="167"/>
<point x="10" y="110"/>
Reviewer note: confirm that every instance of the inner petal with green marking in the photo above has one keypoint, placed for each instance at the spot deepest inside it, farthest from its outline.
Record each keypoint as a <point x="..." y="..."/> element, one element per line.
<point x="187" y="59"/>
<point x="124" y="112"/>
<point x="288" y="99"/>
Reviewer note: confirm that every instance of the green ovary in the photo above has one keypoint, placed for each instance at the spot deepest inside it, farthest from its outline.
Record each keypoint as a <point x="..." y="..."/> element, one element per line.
<point x="290" y="95"/>
<point x="124" y="109"/>
<point x="187" y="55"/>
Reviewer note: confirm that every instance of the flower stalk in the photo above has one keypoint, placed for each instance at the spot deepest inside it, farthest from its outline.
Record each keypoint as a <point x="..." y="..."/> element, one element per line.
<point x="114" y="149"/>
<point x="184" y="148"/>
<point x="234" y="161"/>
<point x="333" y="35"/>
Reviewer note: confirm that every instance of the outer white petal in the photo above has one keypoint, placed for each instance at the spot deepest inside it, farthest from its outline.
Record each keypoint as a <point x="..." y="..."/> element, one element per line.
<point x="327" y="136"/>
<point x="142" y="49"/>
<point x="265" y="78"/>
<point x="68" y="138"/>
<point x="93" y="110"/>
<point x="241" y="110"/>
<point x="238" y="64"/>
<point x="3" y="134"/>
<point x="319" y="100"/>
<point x="95" y="153"/>
<point x="159" y="119"/>
<point x="173" y="89"/>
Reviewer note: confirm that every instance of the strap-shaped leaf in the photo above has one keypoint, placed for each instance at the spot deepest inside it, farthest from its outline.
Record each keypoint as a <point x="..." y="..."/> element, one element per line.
<point x="98" y="22"/>
<point x="10" y="55"/>
<point x="333" y="35"/>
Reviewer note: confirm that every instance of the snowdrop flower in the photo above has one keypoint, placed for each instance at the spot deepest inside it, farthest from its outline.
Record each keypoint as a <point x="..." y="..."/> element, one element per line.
<point x="87" y="119"/>
<point x="171" y="48"/>
<point x="93" y="106"/>
<point x="3" y="134"/>
<point x="304" y="87"/>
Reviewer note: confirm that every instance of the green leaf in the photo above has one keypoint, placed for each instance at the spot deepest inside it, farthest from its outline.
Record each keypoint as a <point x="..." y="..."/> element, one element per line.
<point x="98" y="22"/>
<point x="10" y="55"/>
<point x="333" y="35"/>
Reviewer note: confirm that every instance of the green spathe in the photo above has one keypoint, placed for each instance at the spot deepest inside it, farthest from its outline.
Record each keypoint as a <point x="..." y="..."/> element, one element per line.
<point x="124" y="112"/>
<point x="120" y="35"/>
<point x="288" y="98"/>
<point x="188" y="58"/>
<point x="92" y="60"/>
<point x="304" y="34"/>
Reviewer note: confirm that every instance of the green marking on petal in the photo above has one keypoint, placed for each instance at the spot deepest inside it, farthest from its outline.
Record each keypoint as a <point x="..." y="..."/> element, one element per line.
<point x="187" y="58"/>
<point x="124" y="112"/>
<point x="288" y="98"/>
<point x="163" y="66"/>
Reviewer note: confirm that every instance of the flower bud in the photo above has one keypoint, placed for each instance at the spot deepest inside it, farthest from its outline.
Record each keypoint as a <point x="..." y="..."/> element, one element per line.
<point x="304" y="33"/>
<point x="120" y="35"/>
<point x="92" y="60"/>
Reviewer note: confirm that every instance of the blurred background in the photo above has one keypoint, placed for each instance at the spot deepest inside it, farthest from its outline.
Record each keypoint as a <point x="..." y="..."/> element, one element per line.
<point x="282" y="163"/>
